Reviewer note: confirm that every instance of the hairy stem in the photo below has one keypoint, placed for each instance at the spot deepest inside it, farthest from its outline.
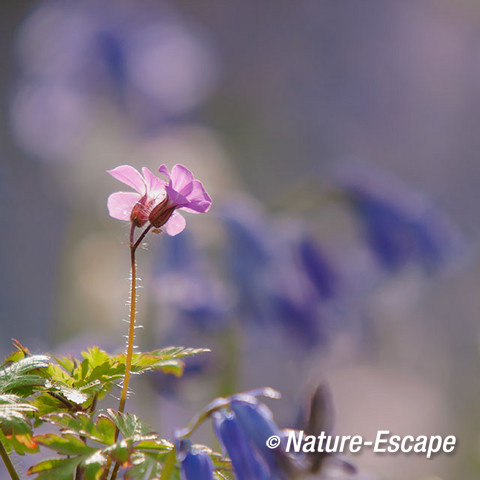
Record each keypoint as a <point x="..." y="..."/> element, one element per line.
<point x="131" y="329"/>
<point x="133" y="312"/>
<point x="8" y="463"/>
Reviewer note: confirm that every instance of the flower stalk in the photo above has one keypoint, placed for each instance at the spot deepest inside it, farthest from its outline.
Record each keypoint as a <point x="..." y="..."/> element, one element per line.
<point x="8" y="463"/>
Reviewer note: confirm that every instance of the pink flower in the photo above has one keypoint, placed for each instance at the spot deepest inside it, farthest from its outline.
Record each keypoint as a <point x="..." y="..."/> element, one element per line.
<point x="157" y="200"/>
<point x="135" y="206"/>
<point x="182" y="192"/>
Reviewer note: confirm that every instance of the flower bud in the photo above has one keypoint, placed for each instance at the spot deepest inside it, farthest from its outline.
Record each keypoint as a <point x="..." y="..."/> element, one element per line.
<point x="160" y="215"/>
<point x="139" y="212"/>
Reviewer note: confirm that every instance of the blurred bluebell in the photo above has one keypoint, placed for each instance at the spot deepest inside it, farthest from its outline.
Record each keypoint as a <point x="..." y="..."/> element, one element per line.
<point x="196" y="464"/>
<point x="246" y="463"/>
<point x="184" y="284"/>
<point x="318" y="269"/>
<point x="401" y="225"/>
<point x="249" y="253"/>
<point x="279" y="278"/>
<point x="141" y="59"/>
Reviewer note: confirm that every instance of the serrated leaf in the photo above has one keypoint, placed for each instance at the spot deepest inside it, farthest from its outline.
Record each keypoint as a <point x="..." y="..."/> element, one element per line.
<point x="23" y="444"/>
<point x="15" y="377"/>
<point x="24" y="365"/>
<point x="167" y="359"/>
<point x="65" y="445"/>
<point x="158" y="445"/>
<point x="13" y="413"/>
<point x="130" y="426"/>
<point x="120" y="452"/>
<point x="144" y="467"/>
<point x="106" y="429"/>
<point x="56" y="469"/>
<point x="103" y="431"/>
<point x="73" y="394"/>
<point x="93" y="466"/>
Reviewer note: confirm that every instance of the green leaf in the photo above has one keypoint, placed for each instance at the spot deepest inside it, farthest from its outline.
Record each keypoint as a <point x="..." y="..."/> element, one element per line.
<point x="130" y="426"/>
<point x="167" y="359"/>
<point x="94" y="466"/>
<point x="169" y="465"/>
<point x="64" y="445"/>
<point x="15" y="428"/>
<point x="72" y="394"/>
<point x="158" y="445"/>
<point x="56" y="469"/>
<point x="144" y="467"/>
<point x="80" y="423"/>
<point x="105" y="429"/>
<point x="77" y="384"/>
<point x="14" y="377"/>
<point x="120" y="452"/>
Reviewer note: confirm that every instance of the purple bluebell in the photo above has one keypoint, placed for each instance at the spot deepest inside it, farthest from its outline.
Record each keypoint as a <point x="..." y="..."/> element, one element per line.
<point x="269" y="275"/>
<point x="401" y="226"/>
<point x="249" y="254"/>
<point x="257" y="422"/>
<point x="184" y="283"/>
<point x="246" y="462"/>
<point x="195" y="464"/>
<point x="317" y="267"/>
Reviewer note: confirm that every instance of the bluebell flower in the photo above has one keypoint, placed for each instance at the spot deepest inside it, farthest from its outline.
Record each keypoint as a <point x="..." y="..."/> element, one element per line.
<point x="257" y="422"/>
<point x="246" y="463"/>
<point x="401" y="226"/>
<point x="195" y="464"/>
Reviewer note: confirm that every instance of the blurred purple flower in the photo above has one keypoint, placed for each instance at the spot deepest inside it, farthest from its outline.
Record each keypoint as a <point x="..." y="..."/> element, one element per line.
<point x="185" y="285"/>
<point x="279" y="279"/>
<point x="316" y="265"/>
<point x="141" y="58"/>
<point x="401" y="225"/>
<point x="249" y="253"/>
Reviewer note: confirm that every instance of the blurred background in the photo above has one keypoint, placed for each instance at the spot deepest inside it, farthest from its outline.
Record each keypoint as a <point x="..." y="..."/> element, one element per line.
<point x="339" y="142"/>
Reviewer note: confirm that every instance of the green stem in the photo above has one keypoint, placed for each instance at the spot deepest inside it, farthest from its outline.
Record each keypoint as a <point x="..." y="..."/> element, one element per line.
<point x="8" y="463"/>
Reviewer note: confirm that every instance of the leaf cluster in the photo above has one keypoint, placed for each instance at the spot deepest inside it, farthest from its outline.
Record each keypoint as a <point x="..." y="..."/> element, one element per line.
<point x="62" y="393"/>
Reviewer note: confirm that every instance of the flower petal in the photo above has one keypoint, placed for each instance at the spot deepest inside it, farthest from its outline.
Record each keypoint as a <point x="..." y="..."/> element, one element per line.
<point x="130" y="176"/>
<point x="120" y="204"/>
<point x="199" y="200"/>
<point x="163" y="169"/>
<point x="155" y="186"/>
<point x="175" y="224"/>
<point x="176" y="198"/>
<point x="181" y="179"/>
<point x="196" y="465"/>
<point x="245" y="461"/>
